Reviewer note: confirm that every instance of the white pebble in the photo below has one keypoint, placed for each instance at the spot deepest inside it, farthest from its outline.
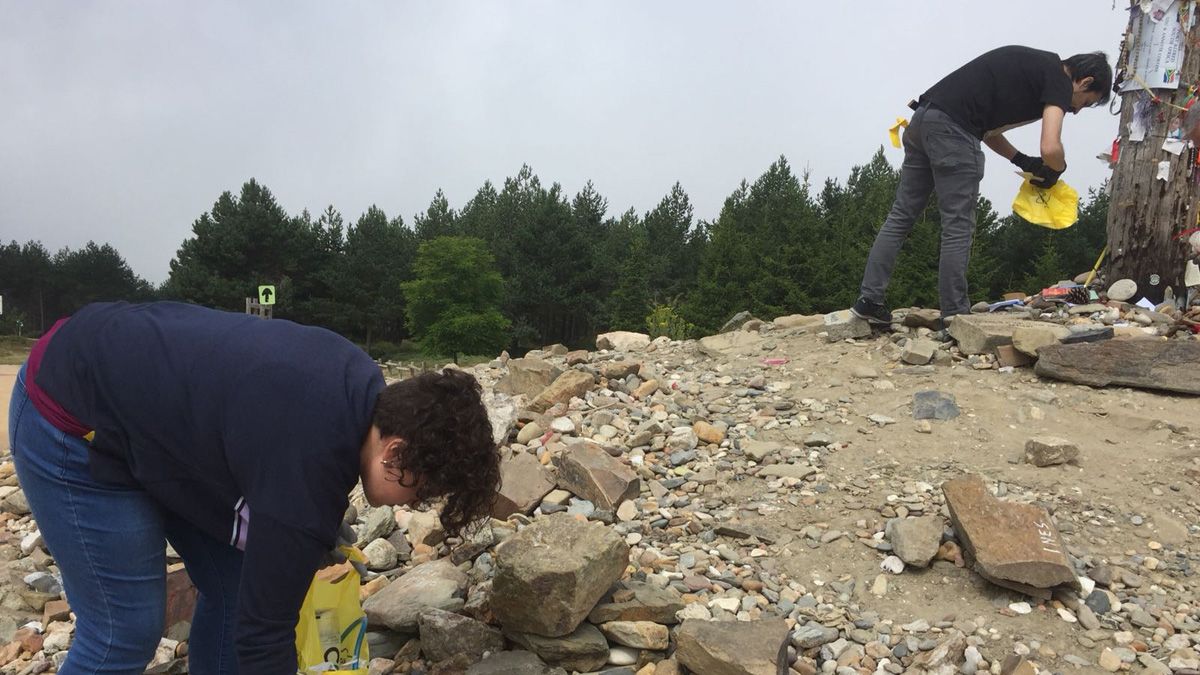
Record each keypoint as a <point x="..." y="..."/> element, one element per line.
<point x="892" y="564"/>
<point x="1021" y="607"/>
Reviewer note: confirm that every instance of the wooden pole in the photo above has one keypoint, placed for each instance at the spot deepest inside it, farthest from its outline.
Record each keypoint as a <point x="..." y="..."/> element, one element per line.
<point x="1146" y="213"/>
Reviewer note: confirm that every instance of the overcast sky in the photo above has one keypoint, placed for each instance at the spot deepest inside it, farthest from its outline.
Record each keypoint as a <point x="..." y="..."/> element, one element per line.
<point x="123" y="121"/>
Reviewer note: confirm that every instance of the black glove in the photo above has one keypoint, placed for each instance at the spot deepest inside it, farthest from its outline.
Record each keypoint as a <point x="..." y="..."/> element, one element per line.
<point x="1026" y="163"/>
<point x="1044" y="177"/>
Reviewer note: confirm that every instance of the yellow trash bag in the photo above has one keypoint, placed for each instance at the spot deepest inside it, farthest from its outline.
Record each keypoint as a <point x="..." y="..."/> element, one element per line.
<point x="331" y="634"/>
<point x="1056" y="208"/>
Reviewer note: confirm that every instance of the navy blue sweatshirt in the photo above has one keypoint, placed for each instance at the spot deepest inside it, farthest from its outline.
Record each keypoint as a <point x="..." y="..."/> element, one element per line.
<point x="250" y="429"/>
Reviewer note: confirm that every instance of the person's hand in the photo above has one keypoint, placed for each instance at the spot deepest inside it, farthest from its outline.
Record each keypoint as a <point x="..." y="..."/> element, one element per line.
<point x="345" y="537"/>
<point x="1026" y="163"/>
<point x="1045" y="178"/>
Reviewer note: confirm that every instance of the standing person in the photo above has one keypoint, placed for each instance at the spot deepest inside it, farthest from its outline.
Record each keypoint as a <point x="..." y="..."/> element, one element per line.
<point x="237" y="440"/>
<point x="1002" y="89"/>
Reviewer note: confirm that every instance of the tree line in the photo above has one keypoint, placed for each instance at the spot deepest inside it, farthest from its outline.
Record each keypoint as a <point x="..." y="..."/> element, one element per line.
<point x="544" y="266"/>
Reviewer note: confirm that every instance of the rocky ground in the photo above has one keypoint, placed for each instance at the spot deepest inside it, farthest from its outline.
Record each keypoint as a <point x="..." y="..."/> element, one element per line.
<point x="770" y="496"/>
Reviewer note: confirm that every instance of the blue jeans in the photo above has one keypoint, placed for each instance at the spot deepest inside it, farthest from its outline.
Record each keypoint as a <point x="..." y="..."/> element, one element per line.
<point x="109" y="543"/>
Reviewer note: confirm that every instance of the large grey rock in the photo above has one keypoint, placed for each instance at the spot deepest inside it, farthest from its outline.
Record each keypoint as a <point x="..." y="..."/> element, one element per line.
<point x="438" y="584"/>
<point x="623" y="341"/>
<point x="379" y="524"/>
<point x="584" y="650"/>
<point x="813" y="634"/>
<point x="1122" y="290"/>
<point x="446" y="634"/>
<point x="915" y="540"/>
<point x="981" y="334"/>
<point x="918" y="352"/>
<point x="551" y="574"/>
<point x="1167" y="365"/>
<point x="514" y="663"/>
<point x="502" y="413"/>
<point x="523" y="483"/>
<point x="571" y="384"/>
<point x="381" y="555"/>
<point x="843" y="325"/>
<point x="934" y="405"/>
<point x="639" y="601"/>
<point x="1049" y="450"/>
<point x="586" y="470"/>
<point x="528" y="377"/>
<point x="733" y="647"/>
<point x="1012" y="545"/>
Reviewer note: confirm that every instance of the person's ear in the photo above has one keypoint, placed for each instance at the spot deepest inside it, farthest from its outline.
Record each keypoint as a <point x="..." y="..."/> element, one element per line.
<point x="1085" y="84"/>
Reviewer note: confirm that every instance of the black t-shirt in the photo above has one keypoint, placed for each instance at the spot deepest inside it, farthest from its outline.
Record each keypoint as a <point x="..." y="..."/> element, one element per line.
<point x="1001" y="89"/>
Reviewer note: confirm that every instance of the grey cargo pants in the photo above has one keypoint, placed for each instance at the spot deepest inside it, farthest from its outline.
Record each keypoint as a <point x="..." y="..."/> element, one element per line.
<point x="939" y="155"/>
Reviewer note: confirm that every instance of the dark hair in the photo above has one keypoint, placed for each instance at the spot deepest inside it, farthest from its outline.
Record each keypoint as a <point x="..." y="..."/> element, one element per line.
<point x="1093" y="65"/>
<point x="448" y="442"/>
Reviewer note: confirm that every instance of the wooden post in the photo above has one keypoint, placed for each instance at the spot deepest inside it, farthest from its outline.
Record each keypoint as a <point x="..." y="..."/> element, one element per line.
<point x="1145" y="213"/>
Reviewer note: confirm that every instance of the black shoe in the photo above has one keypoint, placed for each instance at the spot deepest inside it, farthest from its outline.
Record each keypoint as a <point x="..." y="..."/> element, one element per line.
<point x="871" y="312"/>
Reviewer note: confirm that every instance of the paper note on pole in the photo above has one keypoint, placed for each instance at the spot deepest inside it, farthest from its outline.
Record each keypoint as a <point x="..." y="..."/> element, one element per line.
<point x="1159" y="54"/>
<point x="1164" y="170"/>
<point x="1174" y="146"/>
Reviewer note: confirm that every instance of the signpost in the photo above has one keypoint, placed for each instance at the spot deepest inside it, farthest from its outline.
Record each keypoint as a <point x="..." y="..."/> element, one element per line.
<point x="264" y="304"/>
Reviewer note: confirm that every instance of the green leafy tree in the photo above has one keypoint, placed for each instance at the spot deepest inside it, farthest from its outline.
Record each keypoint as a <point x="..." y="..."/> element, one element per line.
<point x="453" y="304"/>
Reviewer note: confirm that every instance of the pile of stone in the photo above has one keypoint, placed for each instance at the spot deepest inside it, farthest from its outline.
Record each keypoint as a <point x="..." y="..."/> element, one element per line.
<point x="634" y="533"/>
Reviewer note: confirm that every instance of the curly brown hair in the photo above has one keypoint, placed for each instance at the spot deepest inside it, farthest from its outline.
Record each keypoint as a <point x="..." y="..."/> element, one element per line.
<point x="448" y="442"/>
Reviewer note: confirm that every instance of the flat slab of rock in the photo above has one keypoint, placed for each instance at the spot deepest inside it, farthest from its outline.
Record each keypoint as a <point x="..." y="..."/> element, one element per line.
<point x="1029" y="339"/>
<point x="588" y="471"/>
<point x="445" y="635"/>
<point x="569" y="385"/>
<point x="640" y="601"/>
<point x="915" y="540"/>
<point x="1048" y="451"/>
<point x="799" y="321"/>
<point x="584" y="650"/>
<point x="923" y="318"/>
<point x="760" y="450"/>
<point x="1012" y="545"/>
<point x="623" y="341"/>
<point x="524" y="481"/>
<point x="981" y="334"/>
<point x="552" y="573"/>
<point x="797" y="471"/>
<point x="438" y="584"/>
<point x="718" y="345"/>
<point x="514" y="663"/>
<point x="733" y="647"/>
<point x="637" y="634"/>
<point x="1166" y="365"/>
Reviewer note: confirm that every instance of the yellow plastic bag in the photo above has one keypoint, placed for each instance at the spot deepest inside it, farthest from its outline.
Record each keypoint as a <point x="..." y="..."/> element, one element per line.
<point x="1056" y="208"/>
<point x="331" y="634"/>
